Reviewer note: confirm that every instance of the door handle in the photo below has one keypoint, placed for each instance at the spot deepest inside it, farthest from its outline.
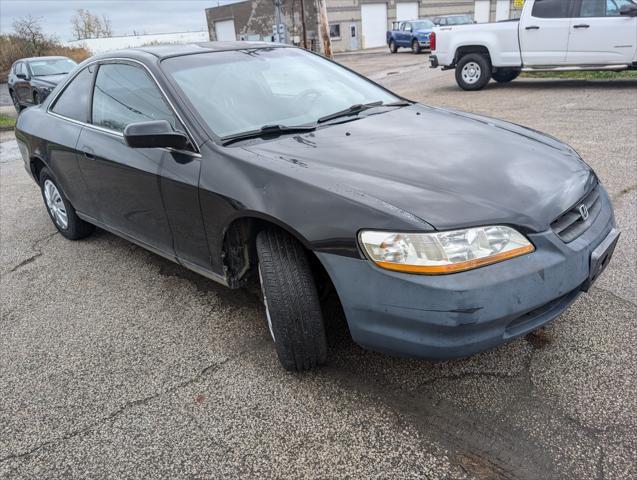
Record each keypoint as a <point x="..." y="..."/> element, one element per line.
<point x="89" y="155"/>
<point x="532" y="27"/>
<point x="581" y="25"/>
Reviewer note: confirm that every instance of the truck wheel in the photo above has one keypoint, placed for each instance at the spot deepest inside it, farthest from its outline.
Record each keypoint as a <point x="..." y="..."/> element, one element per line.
<point x="392" y="46"/>
<point x="473" y="71"/>
<point x="61" y="211"/>
<point x="505" y="76"/>
<point x="415" y="46"/>
<point x="291" y="301"/>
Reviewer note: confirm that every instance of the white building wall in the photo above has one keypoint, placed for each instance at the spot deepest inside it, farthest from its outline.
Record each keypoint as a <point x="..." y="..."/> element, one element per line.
<point x="107" y="44"/>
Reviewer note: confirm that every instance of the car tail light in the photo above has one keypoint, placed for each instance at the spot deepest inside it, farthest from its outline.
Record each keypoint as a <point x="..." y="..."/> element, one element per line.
<point x="432" y="40"/>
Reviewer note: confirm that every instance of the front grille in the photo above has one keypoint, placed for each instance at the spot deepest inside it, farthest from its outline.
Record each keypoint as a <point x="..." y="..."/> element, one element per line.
<point x="572" y="224"/>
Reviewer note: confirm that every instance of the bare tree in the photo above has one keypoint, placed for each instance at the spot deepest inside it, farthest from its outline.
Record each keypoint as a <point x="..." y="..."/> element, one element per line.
<point x="107" y="28"/>
<point x="88" y="25"/>
<point x="30" y="29"/>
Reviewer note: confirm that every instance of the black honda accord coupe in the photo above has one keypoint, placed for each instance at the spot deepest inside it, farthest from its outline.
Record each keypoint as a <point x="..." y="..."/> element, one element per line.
<point x="443" y="233"/>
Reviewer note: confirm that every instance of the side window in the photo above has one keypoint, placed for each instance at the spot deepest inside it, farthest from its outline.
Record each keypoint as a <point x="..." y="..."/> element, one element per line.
<point x="613" y="7"/>
<point x="593" y="8"/>
<point x="18" y="68"/>
<point x="407" y="27"/>
<point x="125" y="94"/>
<point x="73" y="101"/>
<point x="550" y="9"/>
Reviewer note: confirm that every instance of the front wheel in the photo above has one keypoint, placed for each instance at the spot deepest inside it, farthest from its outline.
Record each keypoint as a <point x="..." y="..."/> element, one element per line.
<point x="505" y="76"/>
<point x="473" y="71"/>
<point x="392" y="46"/>
<point x="415" y="46"/>
<point x="61" y="211"/>
<point x="292" y="306"/>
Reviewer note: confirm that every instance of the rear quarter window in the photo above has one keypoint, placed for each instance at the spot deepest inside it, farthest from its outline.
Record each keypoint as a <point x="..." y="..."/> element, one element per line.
<point x="73" y="102"/>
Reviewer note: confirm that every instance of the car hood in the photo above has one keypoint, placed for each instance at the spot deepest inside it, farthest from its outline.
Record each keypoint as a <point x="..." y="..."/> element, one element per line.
<point x="51" y="80"/>
<point x="450" y="169"/>
<point x="427" y="30"/>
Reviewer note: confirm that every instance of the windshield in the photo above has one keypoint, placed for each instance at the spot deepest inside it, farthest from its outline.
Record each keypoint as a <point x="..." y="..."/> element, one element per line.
<point x="423" y="25"/>
<point x="55" y="66"/>
<point x="459" y="20"/>
<point x="243" y="90"/>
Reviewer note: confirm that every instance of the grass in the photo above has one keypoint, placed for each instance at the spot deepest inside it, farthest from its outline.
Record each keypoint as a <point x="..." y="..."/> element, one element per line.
<point x="582" y="75"/>
<point x="6" y="121"/>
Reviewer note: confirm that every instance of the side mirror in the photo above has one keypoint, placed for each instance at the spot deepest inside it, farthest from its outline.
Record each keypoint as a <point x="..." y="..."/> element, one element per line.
<point x="628" y="10"/>
<point x="154" y="134"/>
<point x="23" y="76"/>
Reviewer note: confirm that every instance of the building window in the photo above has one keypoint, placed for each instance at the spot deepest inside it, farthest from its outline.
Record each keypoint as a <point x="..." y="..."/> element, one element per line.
<point x="335" y="30"/>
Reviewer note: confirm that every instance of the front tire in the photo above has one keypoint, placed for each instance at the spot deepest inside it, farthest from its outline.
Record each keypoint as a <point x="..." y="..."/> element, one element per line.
<point x="415" y="46"/>
<point x="16" y="102"/>
<point x="292" y="304"/>
<point x="392" y="46"/>
<point x="473" y="72"/>
<point x="505" y="76"/>
<point x="61" y="211"/>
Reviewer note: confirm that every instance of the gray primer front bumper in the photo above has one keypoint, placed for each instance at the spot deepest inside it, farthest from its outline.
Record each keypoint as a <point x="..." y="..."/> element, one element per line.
<point x="450" y="316"/>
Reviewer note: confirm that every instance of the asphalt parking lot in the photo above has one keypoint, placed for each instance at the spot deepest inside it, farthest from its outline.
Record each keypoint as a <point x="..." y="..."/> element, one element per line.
<point x="116" y="363"/>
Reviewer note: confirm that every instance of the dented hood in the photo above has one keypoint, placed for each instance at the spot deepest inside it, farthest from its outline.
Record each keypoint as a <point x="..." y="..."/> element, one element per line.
<point x="449" y="168"/>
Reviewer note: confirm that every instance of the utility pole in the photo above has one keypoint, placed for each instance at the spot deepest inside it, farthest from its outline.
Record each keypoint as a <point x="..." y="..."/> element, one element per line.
<point x="324" y="29"/>
<point x="303" y="30"/>
<point x="277" y="19"/>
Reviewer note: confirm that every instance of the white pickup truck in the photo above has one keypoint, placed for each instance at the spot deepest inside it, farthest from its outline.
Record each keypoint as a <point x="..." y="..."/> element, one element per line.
<point x="551" y="35"/>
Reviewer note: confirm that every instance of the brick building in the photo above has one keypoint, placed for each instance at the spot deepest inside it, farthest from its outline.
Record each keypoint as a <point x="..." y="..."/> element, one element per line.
<point x="354" y="24"/>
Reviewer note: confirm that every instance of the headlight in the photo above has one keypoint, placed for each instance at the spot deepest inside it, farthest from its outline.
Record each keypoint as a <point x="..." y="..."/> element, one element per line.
<point x="443" y="252"/>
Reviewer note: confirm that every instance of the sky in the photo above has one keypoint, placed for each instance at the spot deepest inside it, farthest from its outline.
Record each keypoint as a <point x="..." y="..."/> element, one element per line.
<point x="143" y="16"/>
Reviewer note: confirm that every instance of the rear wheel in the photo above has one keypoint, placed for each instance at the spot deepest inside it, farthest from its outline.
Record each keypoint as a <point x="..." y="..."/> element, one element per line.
<point x="292" y="306"/>
<point x="36" y="98"/>
<point x="392" y="46"/>
<point x="61" y="211"/>
<point x="473" y="71"/>
<point x="505" y="76"/>
<point x="415" y="46"/>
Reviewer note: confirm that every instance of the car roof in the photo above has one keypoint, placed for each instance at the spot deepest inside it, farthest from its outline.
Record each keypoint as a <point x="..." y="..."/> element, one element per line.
<point x="33" y="59"/>
<point x="455" y="15"/>
<point x="176" y="50"/>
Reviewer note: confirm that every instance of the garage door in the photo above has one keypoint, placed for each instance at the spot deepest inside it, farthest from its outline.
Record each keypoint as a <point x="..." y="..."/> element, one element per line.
<point x="406" y="11"/>
<point x="374" y="20"/>
<point x="482" y="11"/>
<point x="224" y="30"/>
<point x="502" y="10"/>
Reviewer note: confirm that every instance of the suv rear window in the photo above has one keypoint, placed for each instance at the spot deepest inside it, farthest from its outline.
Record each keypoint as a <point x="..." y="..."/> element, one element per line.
<point x="551" y="9"/>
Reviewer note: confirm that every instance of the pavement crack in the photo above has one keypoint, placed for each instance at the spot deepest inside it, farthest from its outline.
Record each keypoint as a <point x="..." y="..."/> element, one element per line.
<point x="37" y="246"/>
<point x="210" y="369"/>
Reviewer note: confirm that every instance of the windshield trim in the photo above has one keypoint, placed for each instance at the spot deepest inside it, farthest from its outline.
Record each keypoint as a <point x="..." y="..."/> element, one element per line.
<point x="217" y="140"/>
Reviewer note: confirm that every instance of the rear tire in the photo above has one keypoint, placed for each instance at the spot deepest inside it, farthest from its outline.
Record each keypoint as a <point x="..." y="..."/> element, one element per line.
<point x="415" y="46"/>
<point x="473" y="71"/>
<point x="292" y="304"/>
<point x="61" y="211"/>
<point x="392" y="46"/>
<point x="36" y="98"/>
<point x="505" y="76"/>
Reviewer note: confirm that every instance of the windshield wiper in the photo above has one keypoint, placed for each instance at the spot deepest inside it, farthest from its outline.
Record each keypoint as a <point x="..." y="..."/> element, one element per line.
<point x="361" y="107"/>
<point x="267" y="130"/>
